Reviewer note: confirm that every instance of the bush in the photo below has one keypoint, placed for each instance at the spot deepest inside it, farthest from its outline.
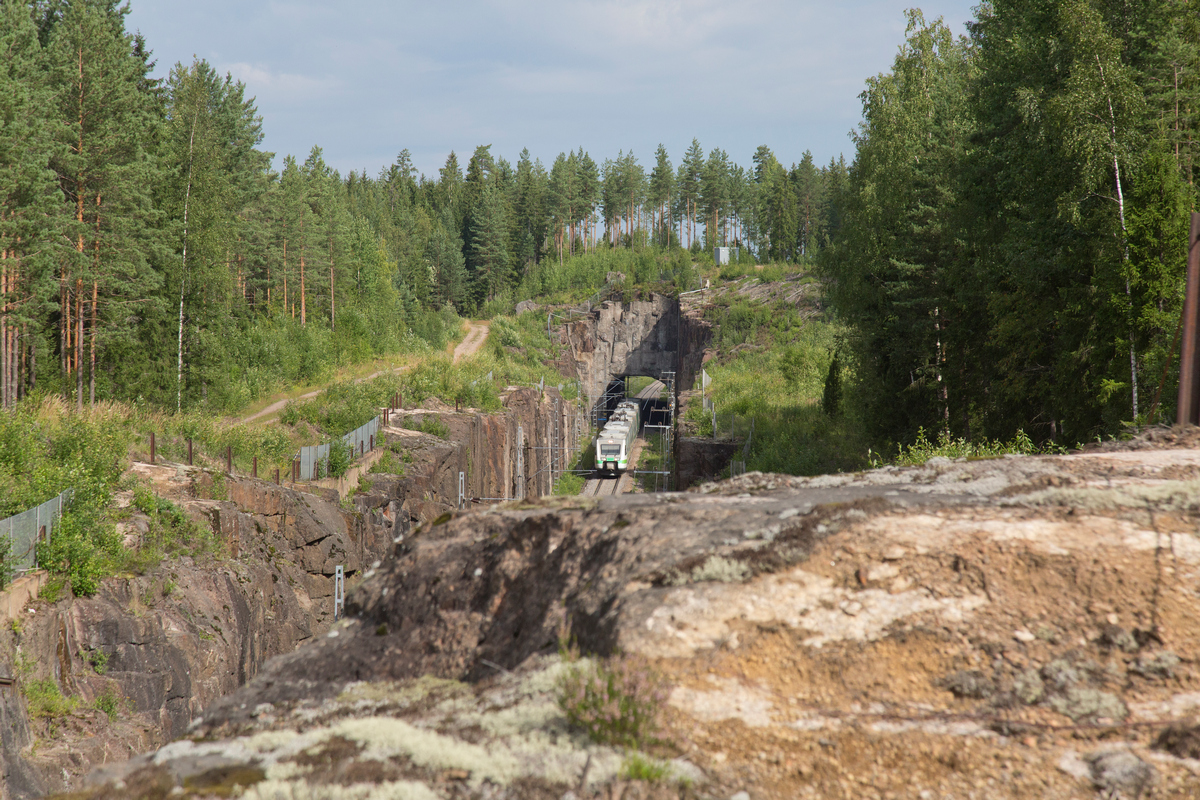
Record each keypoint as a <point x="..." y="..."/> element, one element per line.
<point x="45" y="700"/>
<point x="110" y="703"/>
<point x="341" y="456"/>
<point x="617" y="701"/>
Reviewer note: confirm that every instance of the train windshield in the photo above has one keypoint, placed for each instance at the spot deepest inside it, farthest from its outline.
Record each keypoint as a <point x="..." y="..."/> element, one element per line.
<point x="610" y="449"/>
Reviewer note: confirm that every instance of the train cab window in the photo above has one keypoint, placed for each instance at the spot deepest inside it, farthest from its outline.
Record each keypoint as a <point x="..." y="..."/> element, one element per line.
<point x="610" y="449"/>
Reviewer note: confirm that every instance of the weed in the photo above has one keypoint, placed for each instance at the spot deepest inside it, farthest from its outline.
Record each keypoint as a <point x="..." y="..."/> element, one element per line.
<point x="569" y="483"/>
<point x="617" y="701"/>
<point x="430" y="425"/>
<point x="15" y="626"/>
<point x="44" y="699"/>
<point x="110" y="703"/>
<point x="98" y="659"/>
<point x="920" y="451"/>
<point x="388" y="464"/>
<point x="52" y="589"/>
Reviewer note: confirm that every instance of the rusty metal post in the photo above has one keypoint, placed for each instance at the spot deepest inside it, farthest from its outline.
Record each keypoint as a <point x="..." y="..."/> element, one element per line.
<point x="372" y="441"/>
<point x="399" y="401"/>
<point x="189" y="451"/>
<point x="254" y="469"/>
<point x="229" y="458"/>
<point x="277" y="476"/>
<point x="1189" y="354"/>
<point x="295" y="468"/>
<point x="151" y="447"/>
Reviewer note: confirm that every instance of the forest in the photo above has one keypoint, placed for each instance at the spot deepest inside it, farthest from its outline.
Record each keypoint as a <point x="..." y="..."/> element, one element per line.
<point x="1003" y="253"/>
<point x="151" y="251"/>
<point x="1012" y="242"/>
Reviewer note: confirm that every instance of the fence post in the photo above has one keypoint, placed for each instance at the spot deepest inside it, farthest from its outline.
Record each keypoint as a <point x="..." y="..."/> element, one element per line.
<point x="277" y="476"/>
<point x="372" y="441"/>
<point x="151" y="447"/>
<point x="189" y="451"/>
<point x="399" y="401"/>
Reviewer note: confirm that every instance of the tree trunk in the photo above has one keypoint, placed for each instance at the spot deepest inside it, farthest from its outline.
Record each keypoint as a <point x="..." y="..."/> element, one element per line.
<point x="92" y="355"/>
<point x="1112" y="118"/>
<point x="79" y="343"/>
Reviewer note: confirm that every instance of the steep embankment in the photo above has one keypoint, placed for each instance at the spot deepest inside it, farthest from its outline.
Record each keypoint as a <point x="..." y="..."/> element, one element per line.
<point x="1022" y="627"/>
<point x="154" y="649"/>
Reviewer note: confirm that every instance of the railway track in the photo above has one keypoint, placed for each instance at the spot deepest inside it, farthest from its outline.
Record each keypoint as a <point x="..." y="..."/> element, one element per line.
<point x="608" y="487"/>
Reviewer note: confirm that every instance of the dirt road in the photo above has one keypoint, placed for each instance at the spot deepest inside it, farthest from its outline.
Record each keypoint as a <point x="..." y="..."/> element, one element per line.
<point x="476" y="336"/>
<point x="474" y="339"/>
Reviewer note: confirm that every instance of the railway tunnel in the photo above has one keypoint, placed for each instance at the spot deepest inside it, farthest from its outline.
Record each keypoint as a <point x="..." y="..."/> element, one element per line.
<point x="650" y="337"/>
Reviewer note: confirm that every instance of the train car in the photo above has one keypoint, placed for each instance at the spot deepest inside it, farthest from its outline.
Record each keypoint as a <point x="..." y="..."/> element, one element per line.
<point x="615" y="441"/>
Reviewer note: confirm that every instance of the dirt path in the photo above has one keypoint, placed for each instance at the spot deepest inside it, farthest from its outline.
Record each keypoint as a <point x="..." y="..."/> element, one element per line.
<point x="474" y="339"/>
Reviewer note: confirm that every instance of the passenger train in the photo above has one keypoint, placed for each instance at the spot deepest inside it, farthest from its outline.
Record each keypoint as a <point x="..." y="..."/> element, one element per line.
<point x="615" y="441"/>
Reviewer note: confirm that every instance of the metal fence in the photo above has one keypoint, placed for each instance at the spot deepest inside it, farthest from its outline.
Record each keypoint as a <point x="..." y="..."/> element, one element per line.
<point x="314" y="460"/>
<point x="26" y="529"/>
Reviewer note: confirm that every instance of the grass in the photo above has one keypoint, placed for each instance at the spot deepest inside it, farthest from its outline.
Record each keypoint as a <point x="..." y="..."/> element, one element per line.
<point x="637" y="767"/>
<point x="772" y="366"/>
<point x="922" y="450"/>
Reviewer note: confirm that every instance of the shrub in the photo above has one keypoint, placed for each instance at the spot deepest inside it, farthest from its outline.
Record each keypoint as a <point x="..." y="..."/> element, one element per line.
<point x="44" y="699"/>
<point x="341" y="456"/>
<point x="617" y="701"/>
<point x="110" y="703"/>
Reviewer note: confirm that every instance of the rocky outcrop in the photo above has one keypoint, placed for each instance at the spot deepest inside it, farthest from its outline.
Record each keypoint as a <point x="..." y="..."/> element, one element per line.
<point x="640" y="337"/>
<point x="167" y="643"/>
<point x="1006" y="624"/>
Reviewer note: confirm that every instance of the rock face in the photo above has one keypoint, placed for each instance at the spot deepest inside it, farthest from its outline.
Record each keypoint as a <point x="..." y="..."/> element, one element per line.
<point x="548" y="428"/>
<point x="636" y="338"/>
<point x="948" y="630"/>
<point x="173" y="640"/>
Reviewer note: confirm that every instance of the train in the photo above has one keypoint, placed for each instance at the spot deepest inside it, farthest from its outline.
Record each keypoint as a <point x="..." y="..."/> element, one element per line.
<point x="615" y="440"/>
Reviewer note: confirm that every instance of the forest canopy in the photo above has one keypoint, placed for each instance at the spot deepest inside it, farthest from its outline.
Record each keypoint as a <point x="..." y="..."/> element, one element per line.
<point x="1005" y="249"/>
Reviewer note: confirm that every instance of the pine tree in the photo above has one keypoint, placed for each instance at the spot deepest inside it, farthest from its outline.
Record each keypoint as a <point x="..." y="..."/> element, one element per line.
<point x="30" y="203"/>
<point x="113" y="118"/>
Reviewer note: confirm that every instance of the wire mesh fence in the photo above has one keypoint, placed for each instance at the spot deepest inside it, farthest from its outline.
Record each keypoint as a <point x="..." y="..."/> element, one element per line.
<point x="314" y="460"/>
<point x="22" y="532"/>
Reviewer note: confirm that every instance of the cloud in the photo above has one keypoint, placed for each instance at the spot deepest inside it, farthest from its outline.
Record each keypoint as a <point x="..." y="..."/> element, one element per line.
<point x="285" y="86"/>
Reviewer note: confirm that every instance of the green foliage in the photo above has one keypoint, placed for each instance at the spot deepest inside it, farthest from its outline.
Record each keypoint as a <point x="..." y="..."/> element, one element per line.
<point x="922" y="449"/>
<point x="172" y="533"/>
<point x="45" y="700"/>
<point x="110" y="703"/>
<point x="617" y="701"/>
<point x="388" y="463"/>
<point x="777" y="377"/>
<point x="637" y="767"/>
<point x="98" y="659"/>
<point x="428" y="424"/>
<point x="569" y="484"/>
<point x="341" y="456"/>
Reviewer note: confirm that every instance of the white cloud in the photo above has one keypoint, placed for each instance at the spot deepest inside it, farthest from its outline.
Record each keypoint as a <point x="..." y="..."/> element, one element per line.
<point x="261" y="81"/>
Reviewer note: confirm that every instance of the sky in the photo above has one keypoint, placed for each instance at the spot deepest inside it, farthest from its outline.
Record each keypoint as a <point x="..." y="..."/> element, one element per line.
<point x="605" y="75"/>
